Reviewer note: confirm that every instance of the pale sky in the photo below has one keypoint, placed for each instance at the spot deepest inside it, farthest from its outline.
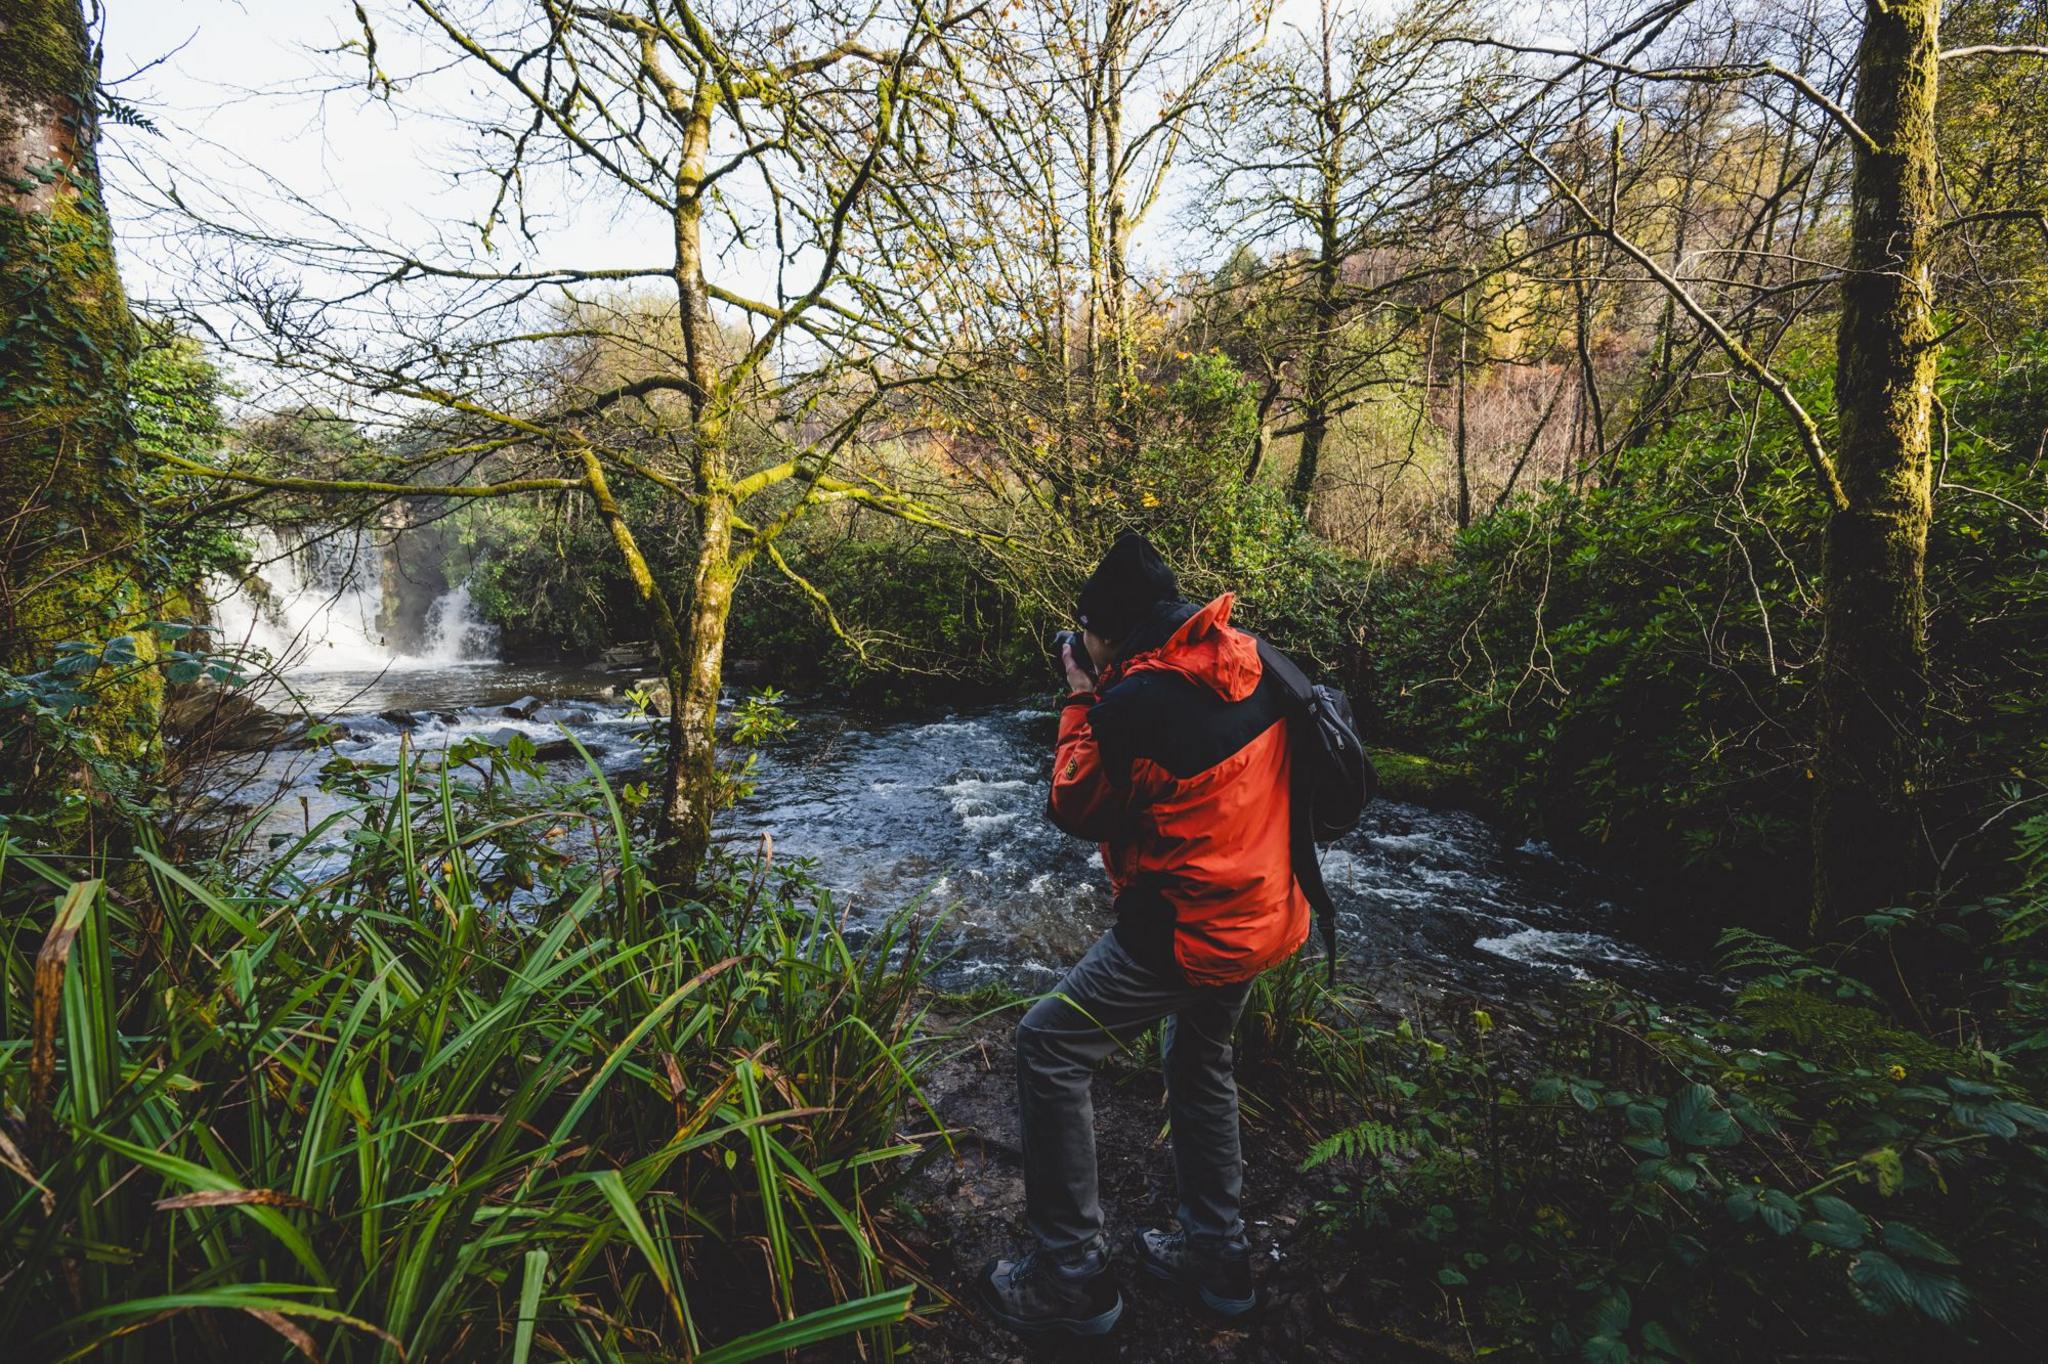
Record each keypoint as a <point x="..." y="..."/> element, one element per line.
<point x="243" y="101"/>
<point x="242" y="94"/>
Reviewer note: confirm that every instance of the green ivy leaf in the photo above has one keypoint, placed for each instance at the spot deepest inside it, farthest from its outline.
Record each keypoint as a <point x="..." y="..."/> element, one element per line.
<point x="1695" y="1119"/>
<point x="1910" y="1241"/>
<point x="1683" y="1178"/>
<point x="1605" y="1350"/>
<point x="1940" y="1297"/>
<point x="1611" y="1314"/>
<point x="1780" y="1211"/>
<point x="1657" y="1338"/>
<point x="1828" y="1234"/>
<point x="1884" y="1281"/>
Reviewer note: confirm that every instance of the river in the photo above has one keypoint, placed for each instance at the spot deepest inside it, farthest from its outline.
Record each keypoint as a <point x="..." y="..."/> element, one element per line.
<point x="947" y="809"/>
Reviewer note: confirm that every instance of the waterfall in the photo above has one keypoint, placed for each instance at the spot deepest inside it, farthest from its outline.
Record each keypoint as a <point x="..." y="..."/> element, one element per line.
<point x="456" y="633"/>
<point x="319" y="606"/>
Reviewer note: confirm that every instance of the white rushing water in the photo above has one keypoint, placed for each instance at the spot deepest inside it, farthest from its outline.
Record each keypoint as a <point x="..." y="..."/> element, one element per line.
<point x="318" y="606"/>
<point x="456" y="633"/>
<point x="949" y="812"/>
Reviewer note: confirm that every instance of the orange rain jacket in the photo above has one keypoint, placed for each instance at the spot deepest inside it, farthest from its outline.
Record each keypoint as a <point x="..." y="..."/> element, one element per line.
<point x="1177" y="763"/>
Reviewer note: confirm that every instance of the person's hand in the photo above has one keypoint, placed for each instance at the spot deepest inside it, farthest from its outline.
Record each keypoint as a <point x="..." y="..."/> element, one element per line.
<point x="1077" y="678"/>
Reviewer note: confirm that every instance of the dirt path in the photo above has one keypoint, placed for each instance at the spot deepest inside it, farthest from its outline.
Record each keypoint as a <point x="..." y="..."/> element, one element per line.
<point x="957" y="1213"/>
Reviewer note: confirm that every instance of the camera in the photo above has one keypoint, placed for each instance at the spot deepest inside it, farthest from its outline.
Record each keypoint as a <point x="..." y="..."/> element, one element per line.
<point x="1071" y="639"/>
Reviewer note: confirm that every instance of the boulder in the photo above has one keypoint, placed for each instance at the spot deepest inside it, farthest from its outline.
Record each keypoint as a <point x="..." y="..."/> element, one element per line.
<point x="523" y="709"/>
<point x="632" y="654"/>
<point x="224" y="720"/>
<point x="656" y="690"/>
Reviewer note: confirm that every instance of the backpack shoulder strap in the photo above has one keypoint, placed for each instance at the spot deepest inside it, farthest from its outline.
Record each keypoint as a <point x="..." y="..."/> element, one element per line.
<point x="1308" y="869"/>
<point x="1287" y="673"/>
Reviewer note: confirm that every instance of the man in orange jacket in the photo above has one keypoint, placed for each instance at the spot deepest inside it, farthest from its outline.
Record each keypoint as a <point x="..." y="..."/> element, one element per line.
<point x="1176" y="761"/>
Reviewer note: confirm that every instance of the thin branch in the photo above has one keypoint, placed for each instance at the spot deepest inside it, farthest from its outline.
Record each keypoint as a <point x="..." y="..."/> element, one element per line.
<point x="1698" y="75"/>
<point x="1996" y="50"/>
<point x="1809" y="431"/>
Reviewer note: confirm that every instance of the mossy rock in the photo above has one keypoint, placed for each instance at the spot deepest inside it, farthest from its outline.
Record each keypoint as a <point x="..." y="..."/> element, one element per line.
<point x="1419" y="780"/>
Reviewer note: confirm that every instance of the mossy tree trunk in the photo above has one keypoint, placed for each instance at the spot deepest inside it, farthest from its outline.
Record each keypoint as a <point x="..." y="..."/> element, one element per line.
<point x="1318" y="384"/>
<point x="697" y="670"/>
<point x="693" y="790"/>
<point x="71" y="520"/>
<point x="1869" y="850"/>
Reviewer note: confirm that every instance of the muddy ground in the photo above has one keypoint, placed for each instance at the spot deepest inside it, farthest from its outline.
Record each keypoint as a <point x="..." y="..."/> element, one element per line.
<point x="956" y="1213"/>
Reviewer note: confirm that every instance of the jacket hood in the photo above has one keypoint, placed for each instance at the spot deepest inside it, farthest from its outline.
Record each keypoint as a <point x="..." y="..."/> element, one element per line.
<point x="1205" y="649"/>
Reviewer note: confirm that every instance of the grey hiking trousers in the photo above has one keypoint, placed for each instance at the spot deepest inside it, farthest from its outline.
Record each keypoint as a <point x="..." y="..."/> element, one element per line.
<point x="1106" y="1002"/>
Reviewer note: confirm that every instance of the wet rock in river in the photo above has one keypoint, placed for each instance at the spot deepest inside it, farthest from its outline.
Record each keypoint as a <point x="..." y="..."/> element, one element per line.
<point x="225" y="720"/>
<point x="523" y="709"/>
<point x="656" y="692"/>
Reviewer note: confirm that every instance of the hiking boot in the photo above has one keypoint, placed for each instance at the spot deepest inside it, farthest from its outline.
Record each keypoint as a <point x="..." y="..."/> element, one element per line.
<point x="1222" y="1281"/>
<point x="1032" y="1295"/>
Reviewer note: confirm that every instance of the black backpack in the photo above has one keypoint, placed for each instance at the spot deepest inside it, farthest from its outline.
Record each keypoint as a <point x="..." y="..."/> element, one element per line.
<point x="1334" y="780"/>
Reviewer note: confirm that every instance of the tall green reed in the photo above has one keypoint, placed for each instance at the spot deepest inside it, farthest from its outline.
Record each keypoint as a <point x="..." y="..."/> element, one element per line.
<point x="378" y="1115"/>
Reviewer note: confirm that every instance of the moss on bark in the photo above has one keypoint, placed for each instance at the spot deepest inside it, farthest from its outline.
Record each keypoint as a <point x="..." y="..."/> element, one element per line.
<point x="73" y="528"/>
<point x="1869" y="851"/>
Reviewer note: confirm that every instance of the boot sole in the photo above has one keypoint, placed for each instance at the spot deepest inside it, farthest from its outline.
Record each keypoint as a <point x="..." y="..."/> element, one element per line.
<point x="1228" y="1308"/>
<point x="1098" y="1325"/>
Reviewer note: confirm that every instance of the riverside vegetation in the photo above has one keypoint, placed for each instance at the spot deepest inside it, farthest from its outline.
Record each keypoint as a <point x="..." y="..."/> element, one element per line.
<point x="478" y="1088"/>
<point x="378" y="1114"/>
<point x="375" y="1113"/>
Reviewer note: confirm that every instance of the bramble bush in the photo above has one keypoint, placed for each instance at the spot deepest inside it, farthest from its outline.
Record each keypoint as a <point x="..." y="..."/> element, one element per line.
<point x="1788" y="1172"/>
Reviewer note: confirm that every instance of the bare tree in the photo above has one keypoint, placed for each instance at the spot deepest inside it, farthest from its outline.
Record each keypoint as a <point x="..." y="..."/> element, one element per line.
<point x="811" y="145"/>
<point x="1338" y="157"/>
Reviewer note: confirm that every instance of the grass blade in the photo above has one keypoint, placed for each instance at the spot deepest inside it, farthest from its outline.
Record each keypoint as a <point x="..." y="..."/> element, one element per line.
<point x="529" y="1304"/>
<point x="827" y="1323"/>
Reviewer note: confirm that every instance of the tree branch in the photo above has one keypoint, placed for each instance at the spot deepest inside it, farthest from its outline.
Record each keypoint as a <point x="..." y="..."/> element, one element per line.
<point x="1809" y="431"/>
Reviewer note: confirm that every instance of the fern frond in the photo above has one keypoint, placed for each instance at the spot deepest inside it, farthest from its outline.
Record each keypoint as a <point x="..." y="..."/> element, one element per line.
<point x="1368" y="1138"/>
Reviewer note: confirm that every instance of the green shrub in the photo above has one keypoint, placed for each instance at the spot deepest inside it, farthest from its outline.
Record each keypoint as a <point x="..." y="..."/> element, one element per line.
<point x="928" y="620"/>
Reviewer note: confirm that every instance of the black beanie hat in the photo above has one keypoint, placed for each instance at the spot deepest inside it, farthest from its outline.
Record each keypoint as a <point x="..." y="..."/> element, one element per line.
<point x="1126" y="585"/>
